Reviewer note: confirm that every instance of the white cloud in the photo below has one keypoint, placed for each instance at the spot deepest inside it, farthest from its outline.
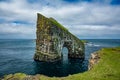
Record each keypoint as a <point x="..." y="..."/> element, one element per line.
<point x="81" y="18"/>
<point x="94" y="29"/>
<point x="16" y="30"/>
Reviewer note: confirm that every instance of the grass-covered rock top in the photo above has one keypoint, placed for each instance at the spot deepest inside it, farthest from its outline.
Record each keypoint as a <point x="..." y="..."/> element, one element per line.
<point x="57" y="24"/>
<point x="108" y="68"/>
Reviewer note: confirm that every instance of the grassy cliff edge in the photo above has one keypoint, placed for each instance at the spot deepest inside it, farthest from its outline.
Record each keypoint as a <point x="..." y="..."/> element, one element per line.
<point x="108" y="68"/>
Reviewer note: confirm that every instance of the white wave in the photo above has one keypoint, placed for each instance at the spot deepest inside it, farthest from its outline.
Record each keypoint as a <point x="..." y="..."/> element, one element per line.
<point x="96" y="45"/>
<point x="92" y="44"/>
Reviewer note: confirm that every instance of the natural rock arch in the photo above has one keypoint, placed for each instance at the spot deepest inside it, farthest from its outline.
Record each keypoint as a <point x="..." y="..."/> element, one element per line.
<point x="52" y="37"/>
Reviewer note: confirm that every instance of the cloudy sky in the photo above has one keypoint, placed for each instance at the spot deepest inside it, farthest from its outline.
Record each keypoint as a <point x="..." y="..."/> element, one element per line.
<point x="87" y="19"/>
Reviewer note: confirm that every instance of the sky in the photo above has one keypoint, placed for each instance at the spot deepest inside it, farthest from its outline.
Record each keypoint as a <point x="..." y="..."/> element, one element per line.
<point x="87" y="19"/>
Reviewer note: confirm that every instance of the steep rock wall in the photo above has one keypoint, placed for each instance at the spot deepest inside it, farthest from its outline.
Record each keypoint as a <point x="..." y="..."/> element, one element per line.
<point x="52" y="37"/>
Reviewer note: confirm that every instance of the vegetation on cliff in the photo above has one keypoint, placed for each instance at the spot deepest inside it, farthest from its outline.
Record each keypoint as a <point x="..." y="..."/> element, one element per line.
<point x="84" y="41"/>
<point x="106" y="69"/>
<point x="58" y="24"/>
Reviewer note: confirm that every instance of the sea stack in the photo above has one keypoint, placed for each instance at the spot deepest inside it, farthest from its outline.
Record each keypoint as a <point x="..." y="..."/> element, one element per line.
<point x="52" y="37"/>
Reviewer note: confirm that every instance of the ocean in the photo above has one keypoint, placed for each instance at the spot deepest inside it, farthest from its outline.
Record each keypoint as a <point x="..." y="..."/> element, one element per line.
<point x="16" y="56"/>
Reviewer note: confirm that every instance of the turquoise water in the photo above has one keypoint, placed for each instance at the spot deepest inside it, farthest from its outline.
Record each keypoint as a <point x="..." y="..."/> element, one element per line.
<point x="17" y="56"/>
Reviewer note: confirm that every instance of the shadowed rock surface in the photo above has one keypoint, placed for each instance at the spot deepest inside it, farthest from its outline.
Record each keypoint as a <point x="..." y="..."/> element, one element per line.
<point x="52" y="37"/>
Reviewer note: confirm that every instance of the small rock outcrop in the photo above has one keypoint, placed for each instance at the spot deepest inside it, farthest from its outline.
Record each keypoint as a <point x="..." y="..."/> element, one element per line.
<point x="52" y="37"/>
<point x="94" y="59"/>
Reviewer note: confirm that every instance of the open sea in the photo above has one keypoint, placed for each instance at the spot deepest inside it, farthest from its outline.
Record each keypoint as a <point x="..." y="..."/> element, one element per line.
<point x="16" y="56"/>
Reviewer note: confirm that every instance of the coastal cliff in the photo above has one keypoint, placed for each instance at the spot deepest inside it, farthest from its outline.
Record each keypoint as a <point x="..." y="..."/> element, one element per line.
<point x="52" y="37"/>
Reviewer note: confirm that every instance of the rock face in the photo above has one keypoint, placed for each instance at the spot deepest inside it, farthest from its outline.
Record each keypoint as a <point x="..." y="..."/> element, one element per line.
<point x="94" y="59"/>
<point x="52" y="37"/>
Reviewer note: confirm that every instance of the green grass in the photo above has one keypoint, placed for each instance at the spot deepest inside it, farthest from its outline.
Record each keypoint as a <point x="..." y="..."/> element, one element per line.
<point x="84" y="41"/>
<point x="58" y="24"/>
<point x="17" y="76"/>
<point x="108" y="68"/>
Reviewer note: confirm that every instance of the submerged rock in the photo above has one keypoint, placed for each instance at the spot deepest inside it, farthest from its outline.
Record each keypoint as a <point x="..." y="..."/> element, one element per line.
<point x="52" y="37"/>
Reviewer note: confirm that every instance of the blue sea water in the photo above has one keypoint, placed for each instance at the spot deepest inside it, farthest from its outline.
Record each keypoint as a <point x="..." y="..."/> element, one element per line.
<point x="17" y="56"/>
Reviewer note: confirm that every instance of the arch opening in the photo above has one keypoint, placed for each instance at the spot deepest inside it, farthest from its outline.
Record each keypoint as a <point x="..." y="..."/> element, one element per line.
<point x="65" y="54"/>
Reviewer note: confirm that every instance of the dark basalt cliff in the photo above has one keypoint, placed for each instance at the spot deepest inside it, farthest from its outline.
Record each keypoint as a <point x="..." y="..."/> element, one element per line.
<point x="52" y="37"/>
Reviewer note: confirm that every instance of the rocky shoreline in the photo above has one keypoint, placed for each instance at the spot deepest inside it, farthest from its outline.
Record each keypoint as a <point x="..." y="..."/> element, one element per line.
<point x="94" y="59"/>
